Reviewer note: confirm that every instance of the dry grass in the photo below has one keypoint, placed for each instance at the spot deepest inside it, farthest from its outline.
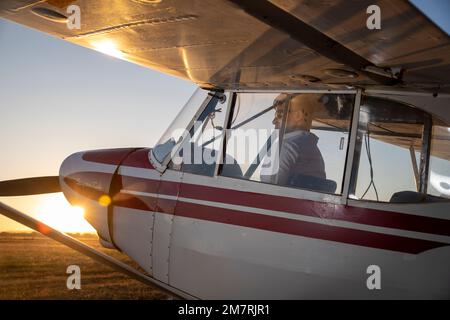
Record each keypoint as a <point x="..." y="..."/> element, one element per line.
<point x="34" y="267"/>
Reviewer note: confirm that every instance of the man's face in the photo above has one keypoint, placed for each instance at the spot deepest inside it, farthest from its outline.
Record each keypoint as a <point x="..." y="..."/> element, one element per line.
<point x="298" y="113"/>
<point x="280" y="106"/>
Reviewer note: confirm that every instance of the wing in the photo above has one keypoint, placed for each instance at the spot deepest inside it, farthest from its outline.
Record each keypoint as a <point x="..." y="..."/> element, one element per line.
<point x="245" y="44"/>
<point x="85" y="249"/>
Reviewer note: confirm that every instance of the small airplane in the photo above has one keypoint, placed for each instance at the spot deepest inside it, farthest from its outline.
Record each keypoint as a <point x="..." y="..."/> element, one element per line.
<point x="374" y="222"/>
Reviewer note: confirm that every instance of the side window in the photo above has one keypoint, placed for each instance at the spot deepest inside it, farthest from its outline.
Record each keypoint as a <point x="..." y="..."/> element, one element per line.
<point x="296" y="140"/>
<point x="439" y="174"/>
<point x="199" y="150"/>
<point x="390" y="156"/>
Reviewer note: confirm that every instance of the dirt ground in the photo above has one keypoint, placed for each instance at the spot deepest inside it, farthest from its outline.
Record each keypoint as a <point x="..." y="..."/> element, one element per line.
<point x="34" y="267"/>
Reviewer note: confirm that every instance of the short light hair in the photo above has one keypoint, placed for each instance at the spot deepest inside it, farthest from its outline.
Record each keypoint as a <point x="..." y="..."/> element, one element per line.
<point x="307" y="104"/>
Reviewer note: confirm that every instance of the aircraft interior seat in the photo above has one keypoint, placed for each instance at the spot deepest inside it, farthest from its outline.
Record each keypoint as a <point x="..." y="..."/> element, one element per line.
<point x="414" y="197"/>
<point x="313" y="183"/>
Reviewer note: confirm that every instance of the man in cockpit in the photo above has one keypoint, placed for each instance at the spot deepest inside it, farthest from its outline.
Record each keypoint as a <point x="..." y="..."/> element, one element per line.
<point x="300" y="161"/>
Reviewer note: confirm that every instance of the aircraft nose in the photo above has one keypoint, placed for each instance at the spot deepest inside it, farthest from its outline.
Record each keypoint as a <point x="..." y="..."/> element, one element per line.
<point x="85" y="184"/>
<point x="85" y="179"/>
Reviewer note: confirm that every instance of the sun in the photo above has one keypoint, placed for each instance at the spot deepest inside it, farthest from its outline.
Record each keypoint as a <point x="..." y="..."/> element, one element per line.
<point x="55" y="211"/>
<point x="108" y="47"/>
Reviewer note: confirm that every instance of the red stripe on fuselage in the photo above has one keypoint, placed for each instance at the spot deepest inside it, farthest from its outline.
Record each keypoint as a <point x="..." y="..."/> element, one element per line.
<point x="107" y="156"/>
<point x="291" y="226"/>
<point x="126" y="200"/>
<point x="305" y="229"/>
<point x="138" y="159"/>
<point x="278" y="224"/>
<point x="326" y="210"/>
<point x="318" y="209"/>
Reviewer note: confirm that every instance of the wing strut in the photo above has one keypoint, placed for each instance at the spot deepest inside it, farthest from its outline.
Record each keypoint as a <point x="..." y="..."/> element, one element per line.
<point x="86" y="250"/>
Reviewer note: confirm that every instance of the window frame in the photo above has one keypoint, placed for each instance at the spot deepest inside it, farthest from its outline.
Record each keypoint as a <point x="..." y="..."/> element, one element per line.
<point x="304" y="193"/>
<point x="353" y="152"/>
<point x="357" y="148"/>
<point x="162" y="167"/>
<point x="436" y="121"/>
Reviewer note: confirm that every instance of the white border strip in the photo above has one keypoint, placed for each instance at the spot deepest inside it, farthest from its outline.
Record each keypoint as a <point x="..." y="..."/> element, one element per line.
<point x="298" y="217"/>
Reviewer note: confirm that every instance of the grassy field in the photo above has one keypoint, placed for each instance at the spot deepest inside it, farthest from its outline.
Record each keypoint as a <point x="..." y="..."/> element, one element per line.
<point x="34" y="267"/>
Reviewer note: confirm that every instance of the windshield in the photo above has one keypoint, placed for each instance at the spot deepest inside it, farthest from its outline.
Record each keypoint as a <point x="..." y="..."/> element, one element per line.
<point x="175" y="131"/>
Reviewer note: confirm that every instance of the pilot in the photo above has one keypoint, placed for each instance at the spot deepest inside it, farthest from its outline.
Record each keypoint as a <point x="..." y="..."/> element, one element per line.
<point x="300" y="160"/>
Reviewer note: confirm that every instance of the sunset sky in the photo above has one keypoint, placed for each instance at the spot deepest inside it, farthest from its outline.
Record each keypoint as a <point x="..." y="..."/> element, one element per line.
<point x="57" y="98"/>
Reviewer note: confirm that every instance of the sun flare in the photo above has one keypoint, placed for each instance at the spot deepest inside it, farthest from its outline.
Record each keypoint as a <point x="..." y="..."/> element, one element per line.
<point x="108" y="47"/>
<point x="55" y="211"/>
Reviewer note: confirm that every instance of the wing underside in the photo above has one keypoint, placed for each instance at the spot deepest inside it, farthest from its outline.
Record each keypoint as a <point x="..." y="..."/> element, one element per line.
<point x="223" y="44"/>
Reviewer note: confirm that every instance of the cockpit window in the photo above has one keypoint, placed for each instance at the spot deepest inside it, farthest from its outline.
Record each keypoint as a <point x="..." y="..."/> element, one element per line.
<point x="439" y="174"/>
<point x="391" y="152"/>
<point x="289" y="139"/>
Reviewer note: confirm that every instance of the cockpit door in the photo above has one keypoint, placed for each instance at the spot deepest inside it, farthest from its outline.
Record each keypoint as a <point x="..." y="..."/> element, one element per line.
<point x="168" y="191"/>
